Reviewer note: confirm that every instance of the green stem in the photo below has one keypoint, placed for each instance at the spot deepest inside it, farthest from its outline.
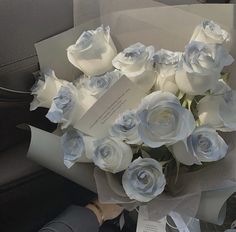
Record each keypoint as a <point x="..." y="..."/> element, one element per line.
<point x="198" y="122"/>
<point x="189" y="100"/>
<point x="184" y="103"/>
<point x="165" y="162"/>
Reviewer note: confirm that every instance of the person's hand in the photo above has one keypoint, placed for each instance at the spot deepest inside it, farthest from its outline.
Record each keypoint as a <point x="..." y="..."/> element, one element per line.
<point x="104" y="212"/>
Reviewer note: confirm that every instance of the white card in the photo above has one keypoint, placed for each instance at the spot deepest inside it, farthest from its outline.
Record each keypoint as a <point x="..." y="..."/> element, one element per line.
<point x="144" y="224"/>
<point x="121" y="96"/>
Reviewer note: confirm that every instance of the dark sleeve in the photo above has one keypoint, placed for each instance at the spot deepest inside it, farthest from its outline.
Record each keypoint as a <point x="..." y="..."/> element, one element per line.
<point x="73" y="219"/>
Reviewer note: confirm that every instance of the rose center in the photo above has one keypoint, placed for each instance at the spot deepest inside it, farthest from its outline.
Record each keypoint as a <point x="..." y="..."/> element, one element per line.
<point x="102" y="83"/>
<point x="128" y="123"/>
<point x="204" y="144"/>
<point x="163" y="120"/>
<point x="212" y="28"/>
<point x="132" y="54"/>
<point x="105" y="152"/>
<point x="143" y="177"/>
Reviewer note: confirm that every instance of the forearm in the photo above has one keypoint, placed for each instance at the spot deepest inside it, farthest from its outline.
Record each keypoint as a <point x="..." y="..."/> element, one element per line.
<point x="73" y="219"/>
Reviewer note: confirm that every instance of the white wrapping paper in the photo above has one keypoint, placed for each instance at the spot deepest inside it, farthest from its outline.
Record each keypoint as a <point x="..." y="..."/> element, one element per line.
<point x="222" y="13"/>
<point x="45" y="149"/>
<point x="85" y="10"/>
<point x="212" y="207"/>
<point x="163" y="27"/>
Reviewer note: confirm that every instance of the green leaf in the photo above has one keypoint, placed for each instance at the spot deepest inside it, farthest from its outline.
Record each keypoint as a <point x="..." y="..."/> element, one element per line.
<point x="225" y="77"/>
<point x="177" y="171"/>
<point x="160" y="154"/>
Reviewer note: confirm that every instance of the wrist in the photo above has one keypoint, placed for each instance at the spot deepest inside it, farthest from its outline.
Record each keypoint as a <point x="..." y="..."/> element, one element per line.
<point x="97" y="211"/>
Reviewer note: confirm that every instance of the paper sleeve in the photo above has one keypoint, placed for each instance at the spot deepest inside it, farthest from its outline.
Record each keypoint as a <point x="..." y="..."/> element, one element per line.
<point x="45" y="149"/>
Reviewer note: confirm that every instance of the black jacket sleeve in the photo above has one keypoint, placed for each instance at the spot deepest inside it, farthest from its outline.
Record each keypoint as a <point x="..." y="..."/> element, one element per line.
<point x="73" y="219"/>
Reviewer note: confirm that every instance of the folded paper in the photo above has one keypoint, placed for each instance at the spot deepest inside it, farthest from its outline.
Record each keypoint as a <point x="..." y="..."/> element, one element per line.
<point x="45" y="148"/>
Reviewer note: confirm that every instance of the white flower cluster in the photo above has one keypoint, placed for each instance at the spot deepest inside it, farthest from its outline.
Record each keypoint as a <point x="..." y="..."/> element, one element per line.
<point x="164" y="117"/>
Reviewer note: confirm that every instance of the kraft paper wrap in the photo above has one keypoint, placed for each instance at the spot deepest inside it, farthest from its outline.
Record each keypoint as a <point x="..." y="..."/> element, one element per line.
<point x="204" y="192"/>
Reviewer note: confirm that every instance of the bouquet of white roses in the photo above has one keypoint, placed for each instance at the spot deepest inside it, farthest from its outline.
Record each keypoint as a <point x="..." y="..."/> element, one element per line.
<point x="151" y="150"/>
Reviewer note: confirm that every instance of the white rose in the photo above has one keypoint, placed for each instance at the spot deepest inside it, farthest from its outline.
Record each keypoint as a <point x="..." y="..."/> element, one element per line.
<point x="210" y="32"/>
<point x="45" y="90"/>
<point x="200" y="67"/>
<point x="166" y="63"/>
<point x="163" y="120"/>
<point x="126" y="128"/>
<point x="218" y="111"/>
<point x="203" y="145"/>
<point x="77" y="147"/>
<point x="63" y="105"/>
<point x="144" y="180"/>
<point x="93" y="52"/>
<point x="135" y="63"/>
<point x="98" y="85"/>
<point x="220" y="88"/>
<point x="112" y="155"/>
<point x="68" y="106"/>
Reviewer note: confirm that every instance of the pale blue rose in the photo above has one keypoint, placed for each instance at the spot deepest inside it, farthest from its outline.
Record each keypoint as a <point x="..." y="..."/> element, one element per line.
<point x="219" y="110"/>
<point x="166" y="63"/>
<point x="112" y="155"/>
<point x="199" y="70"/>
<point x="144" y="180"/>
<point x="98" y="85"/>
<point x="93" y="52"/>
<point x="45" y="89"/>
<point x="135" y="63"/>
<point x="63" y="105"/>
<point x="126" y="128"/>
<point x="163" y="121"/>
<point x="210" y="32"/>
<point x="203" y="145"/>
<point x="77" y="147"/>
